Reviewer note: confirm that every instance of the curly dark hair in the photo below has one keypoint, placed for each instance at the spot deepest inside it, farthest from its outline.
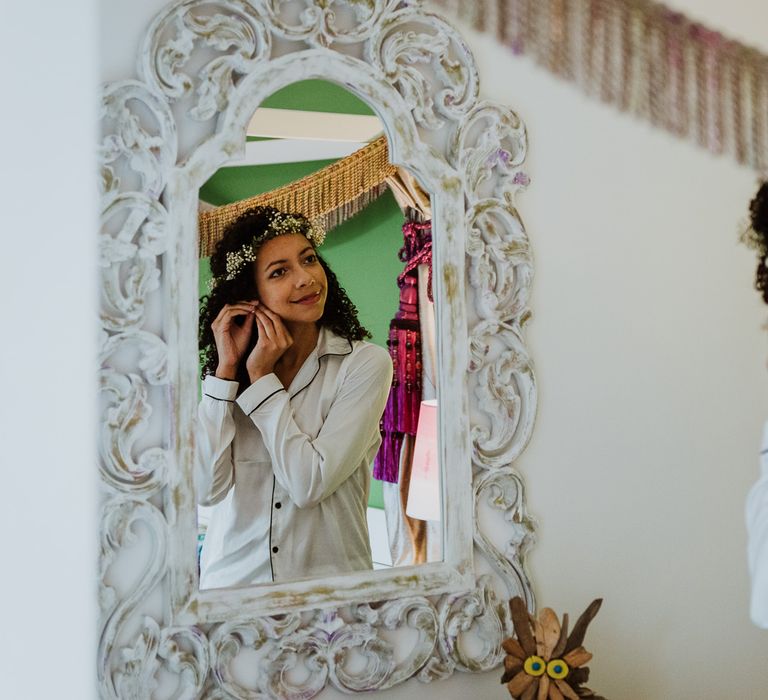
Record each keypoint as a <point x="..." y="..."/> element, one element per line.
<point x="254" y="226"/>
<point x="756" y="236"/>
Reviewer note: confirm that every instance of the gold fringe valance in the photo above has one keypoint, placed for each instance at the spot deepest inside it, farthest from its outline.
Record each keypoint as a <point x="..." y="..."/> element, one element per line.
<point x="329" y="197"/>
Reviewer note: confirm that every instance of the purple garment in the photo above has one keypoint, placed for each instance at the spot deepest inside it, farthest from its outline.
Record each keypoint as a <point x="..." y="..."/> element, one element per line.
<point x="401" y="415"/>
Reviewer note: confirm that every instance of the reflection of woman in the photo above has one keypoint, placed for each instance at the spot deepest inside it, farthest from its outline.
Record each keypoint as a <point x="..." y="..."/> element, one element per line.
<point x="288" y="424"/>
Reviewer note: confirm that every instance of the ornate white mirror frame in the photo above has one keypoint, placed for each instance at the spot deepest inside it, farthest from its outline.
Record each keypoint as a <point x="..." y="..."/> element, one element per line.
<point x="204" y="68"/>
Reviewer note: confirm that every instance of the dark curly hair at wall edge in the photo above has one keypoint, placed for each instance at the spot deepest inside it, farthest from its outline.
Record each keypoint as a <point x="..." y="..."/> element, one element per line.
<point x="233" y="279"/>
<point x="756" y="237"/>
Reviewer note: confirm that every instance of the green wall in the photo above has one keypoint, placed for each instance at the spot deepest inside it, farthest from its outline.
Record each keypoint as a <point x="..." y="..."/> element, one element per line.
<point x="317" y="96"/>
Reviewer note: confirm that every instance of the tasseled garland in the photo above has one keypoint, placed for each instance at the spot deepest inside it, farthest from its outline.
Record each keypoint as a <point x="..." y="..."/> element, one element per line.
<point x="327" y="197"/>
<point x="643" y="58"/>
<point x="401" y="416"/>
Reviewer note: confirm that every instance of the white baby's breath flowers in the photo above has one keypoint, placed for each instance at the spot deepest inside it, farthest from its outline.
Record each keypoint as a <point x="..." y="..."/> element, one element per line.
<point x="280" y="224"/>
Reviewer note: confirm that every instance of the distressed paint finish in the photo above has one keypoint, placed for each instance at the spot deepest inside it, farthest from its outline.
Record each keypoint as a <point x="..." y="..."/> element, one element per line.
<point x="204" y="68"/>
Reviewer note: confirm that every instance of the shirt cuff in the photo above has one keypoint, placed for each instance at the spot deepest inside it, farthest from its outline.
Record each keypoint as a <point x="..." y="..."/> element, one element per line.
<point x="259" y="392"/>
<point x="220" y="389"/>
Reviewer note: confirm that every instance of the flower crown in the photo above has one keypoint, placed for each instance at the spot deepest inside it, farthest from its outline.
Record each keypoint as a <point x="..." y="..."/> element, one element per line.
<point x="279" y="225"/>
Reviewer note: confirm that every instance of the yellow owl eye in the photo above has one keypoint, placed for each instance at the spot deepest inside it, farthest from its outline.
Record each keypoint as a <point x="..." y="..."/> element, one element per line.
<point x="557" y="669"/>
<point x="535" y="666"/>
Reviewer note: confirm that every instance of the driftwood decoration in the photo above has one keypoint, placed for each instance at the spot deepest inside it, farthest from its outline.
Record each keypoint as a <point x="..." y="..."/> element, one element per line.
<point x="545" y="662"/>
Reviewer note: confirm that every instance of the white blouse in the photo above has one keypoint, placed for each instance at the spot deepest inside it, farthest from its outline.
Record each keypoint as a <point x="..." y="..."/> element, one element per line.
<point x="757" y="539"/>
<point x="289" y="470"/>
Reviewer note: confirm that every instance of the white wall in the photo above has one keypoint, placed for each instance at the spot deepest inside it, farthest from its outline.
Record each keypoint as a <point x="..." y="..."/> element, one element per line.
<point x="47" y="352"/>
<point x="648" y="348"/>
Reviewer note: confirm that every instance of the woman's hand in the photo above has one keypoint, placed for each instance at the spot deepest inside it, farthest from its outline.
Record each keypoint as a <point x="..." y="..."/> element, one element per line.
<point x="273" y="341"/>
<point x="231" y="338"/>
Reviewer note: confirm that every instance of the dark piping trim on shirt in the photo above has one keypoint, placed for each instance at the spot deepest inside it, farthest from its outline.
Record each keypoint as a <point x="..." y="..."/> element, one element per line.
<point x="271" y="510"/>
<point x="336" y="354"/>
<point x="276" y="391"/>
<point x="216" y="398"/>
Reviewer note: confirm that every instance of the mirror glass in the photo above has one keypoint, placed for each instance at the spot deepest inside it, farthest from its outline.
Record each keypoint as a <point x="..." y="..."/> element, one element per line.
<point x="327" y="463"/>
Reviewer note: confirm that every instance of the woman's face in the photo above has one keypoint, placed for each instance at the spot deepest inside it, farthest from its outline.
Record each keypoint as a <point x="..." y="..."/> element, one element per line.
<point x="290" y="280"/>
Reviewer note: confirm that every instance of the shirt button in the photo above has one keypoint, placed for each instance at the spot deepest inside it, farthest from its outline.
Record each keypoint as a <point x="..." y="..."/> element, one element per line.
<point x="275" y="549"/>
<point x="278" y="505"/>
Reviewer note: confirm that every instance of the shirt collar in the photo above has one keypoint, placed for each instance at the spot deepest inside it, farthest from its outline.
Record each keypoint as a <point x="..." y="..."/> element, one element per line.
<point x="328" y="343"/>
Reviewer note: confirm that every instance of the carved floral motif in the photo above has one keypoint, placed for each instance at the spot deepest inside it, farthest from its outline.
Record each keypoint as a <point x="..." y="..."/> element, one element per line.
<point x="139" y="135"/>
<point x="322" y="24"/>
<point x="232" y="29"/>
<point x="426" y="60"/>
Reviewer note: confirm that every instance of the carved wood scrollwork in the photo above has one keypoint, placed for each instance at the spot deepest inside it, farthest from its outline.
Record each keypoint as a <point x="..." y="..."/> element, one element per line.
<point x="162" y="135"/>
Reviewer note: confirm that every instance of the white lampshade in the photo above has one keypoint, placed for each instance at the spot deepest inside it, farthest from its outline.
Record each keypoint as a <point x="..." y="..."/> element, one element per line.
<point x="424" y="488"/>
